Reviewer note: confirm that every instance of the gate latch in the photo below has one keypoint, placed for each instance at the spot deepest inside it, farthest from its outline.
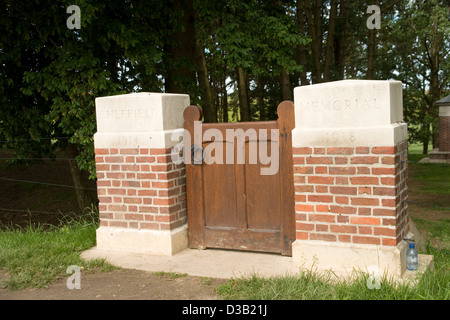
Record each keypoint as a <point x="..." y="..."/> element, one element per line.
<point x="195" y="148"/>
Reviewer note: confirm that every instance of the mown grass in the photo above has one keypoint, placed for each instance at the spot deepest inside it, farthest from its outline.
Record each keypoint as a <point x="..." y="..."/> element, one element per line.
<point x="311" y="285"/>
<point x="433" y="177"/>
<point x="415" y="152"/>
<point x="438" y="230"/>
<point x="38" y="255"/>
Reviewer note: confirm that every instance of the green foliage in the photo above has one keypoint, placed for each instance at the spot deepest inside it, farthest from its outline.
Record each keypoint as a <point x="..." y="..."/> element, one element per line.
<point x="50" y="75"/>
<point x="419" y="36"/>
<point x="259" y="36"/>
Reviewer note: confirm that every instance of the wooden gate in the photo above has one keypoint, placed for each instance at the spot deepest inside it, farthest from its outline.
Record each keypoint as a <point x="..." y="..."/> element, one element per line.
<point x="236" y="201"/>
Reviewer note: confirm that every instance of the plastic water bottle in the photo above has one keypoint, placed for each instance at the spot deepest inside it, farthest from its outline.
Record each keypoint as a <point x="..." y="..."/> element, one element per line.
<point x="412" y="258"/>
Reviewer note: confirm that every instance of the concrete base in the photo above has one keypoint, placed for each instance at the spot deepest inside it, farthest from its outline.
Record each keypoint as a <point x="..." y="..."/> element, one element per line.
<point x="222" y="264"/>
<point x="158" y="242"/>
<point x="349" y="260"/>
<point x="227" y="264"/>
<point x="437" y="156"/>
<point x="349" y="257"/>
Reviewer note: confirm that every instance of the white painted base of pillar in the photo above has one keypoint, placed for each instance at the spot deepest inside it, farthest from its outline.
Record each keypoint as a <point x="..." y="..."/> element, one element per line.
<point x="348" y="257"/>
<point x="157" y="242"/>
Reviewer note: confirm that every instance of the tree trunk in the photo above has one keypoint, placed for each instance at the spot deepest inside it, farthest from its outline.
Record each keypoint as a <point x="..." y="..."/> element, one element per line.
<point x="425" y="146"/>
<point x="343" y="43"/>
<point x="244" y="99"/>
<point x="302" y="48"/>
<point x="435" y="88"/>
<point x="318" y="17"/>
<point x="371" y="54"/>
<point x="260" y="97"/>
<point x="426" y="139"/>
<point x="225" y="98"/>
<point x="285" y="86"/>
<point x="85" y="197"/>
<point x="208" y="107"/>
<point x="180" y="51"/>
<point x="314" y="27"/>
<point x="330" y="41"/>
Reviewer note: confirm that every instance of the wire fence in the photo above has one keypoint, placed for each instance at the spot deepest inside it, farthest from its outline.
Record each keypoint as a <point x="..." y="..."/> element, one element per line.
<point x="34" y="139"/>
<point x="39" y="158"/>
<point x="48" y="184"/>
<point x="44" y="159"/>
<point x="31" y="211"/>
<point x="413" y="202"/>
<point x="94" y="189"/>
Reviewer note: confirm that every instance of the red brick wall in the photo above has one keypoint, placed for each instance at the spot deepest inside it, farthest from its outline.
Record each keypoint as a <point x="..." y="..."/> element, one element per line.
<point x="444" y="133"/>
<point x="351" y="194"/>
<point x="342" y="194"/>
<point x="140" y="188"/>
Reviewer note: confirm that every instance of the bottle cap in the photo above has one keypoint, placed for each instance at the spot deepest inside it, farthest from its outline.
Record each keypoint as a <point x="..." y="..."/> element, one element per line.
<point x="411" y="245"/>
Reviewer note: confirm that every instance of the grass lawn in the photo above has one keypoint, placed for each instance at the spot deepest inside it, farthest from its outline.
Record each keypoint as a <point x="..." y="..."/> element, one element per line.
<point x="37" y="256"/>
<point x="415" y="152"/>
<point x="429" y="195"/>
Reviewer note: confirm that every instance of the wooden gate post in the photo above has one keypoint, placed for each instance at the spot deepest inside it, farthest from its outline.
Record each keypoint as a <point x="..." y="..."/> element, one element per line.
<point x="286" y="123"/>
<point x="350" y="172"/>
<point x="141" y="192"/>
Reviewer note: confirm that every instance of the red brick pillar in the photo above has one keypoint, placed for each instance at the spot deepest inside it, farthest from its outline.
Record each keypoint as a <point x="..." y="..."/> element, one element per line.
<point x="351" y="194"/>
<point x="141" y="192"/>
<point x="442" y="154"/>
<point x="444" y="128"/>
<point x="350" y="172"/>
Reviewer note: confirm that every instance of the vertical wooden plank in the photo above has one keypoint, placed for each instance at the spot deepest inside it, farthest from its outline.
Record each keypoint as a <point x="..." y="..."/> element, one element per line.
<point x="286" y="123"/>
<point x="263" y="192"/>
<point x="194" y="183"/>
<point x="219" y="193"/>
<point x="241" y="196"/>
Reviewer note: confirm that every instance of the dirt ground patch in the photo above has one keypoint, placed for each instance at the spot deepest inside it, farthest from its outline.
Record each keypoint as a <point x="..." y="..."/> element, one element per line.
<point x="122" y="285"/>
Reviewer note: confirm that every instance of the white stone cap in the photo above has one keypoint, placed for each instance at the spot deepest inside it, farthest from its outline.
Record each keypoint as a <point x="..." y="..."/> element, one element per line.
<point x="444" y="111"/>
<point x="151" y="139"/>
<point x="140" y="112"/>
<point x="387" y="135"/>
<point x="348" y="104"/>
<point x="349" y="113"/>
